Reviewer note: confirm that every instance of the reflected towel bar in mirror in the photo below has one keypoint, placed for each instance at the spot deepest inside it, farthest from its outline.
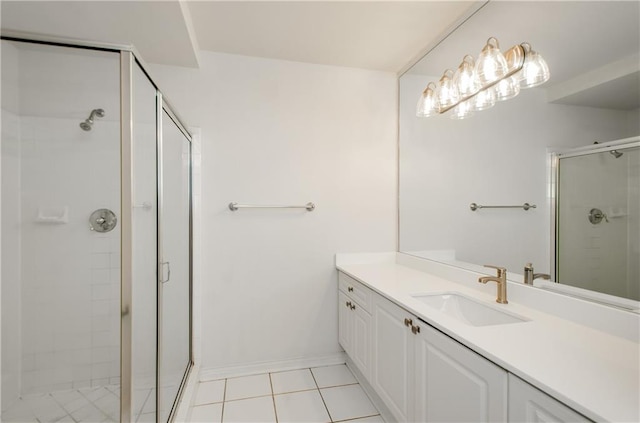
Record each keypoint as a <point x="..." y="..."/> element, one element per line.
<point x="525" y="206"/>
<point x="235" y="206"/>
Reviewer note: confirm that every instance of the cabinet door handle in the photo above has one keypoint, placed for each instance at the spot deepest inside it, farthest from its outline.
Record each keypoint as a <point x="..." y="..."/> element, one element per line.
<point x="415" y="329"/>
<point x="350" y="289"/>
<point x="353" y="306"/>
<point x="408" y="322"/>
<point x="348" y="304"/>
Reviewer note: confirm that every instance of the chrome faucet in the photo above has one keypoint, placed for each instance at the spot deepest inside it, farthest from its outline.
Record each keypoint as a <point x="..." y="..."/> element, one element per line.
<point x="529" y="276"/>
<point x="500" y="279"/>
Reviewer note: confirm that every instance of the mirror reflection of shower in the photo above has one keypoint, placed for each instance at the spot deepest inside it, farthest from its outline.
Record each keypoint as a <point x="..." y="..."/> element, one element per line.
<point x="88" y="123"/>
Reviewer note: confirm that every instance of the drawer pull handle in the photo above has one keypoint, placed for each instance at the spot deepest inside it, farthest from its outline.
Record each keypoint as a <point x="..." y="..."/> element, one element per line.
<point x="408" y="322"/>
<point x="415" y="329"/>
<point x="348" y="304"/>
<point x="350" y="289"/>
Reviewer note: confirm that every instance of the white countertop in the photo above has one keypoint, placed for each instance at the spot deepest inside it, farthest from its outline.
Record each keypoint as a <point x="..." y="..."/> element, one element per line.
<point x="593" y="372"/>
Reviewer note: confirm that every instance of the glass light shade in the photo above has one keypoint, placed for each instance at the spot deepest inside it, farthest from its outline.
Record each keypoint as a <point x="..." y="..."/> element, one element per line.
<point x="484" y="100"/>
<point x="506" y="89"/>
<point x="535" y="70"/>
<point x="447" y="91"/>
<point x="465" y="77"/>
<point x="515" y="57"/>
<point x="491" y="64"/>
<point x="462" y="110"/>
<point x="427" y="104"/>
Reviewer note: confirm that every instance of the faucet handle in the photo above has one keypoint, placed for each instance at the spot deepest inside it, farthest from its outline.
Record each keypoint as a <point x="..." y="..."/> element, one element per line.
<point x="501" y="270"/>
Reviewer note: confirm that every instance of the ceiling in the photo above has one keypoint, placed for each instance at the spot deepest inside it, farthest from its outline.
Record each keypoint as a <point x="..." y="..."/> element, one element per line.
<point x="364" y="34"/>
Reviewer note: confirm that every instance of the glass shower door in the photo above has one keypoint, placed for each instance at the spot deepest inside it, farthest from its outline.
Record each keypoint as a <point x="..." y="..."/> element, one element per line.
<point x="174" y="287"/>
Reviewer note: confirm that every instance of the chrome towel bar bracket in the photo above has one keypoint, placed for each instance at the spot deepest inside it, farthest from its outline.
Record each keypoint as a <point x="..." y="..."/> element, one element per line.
<point x="235" y="206"/>
<point x="525" y="206"/>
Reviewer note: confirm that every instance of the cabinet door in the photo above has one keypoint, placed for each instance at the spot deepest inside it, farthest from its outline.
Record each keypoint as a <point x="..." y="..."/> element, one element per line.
<point x="361" y="345"/>
<point x="528" y="404"/>
<point x="454" y="384"/>
<point x="392" y="355"/>
<point x="345" y="324"/>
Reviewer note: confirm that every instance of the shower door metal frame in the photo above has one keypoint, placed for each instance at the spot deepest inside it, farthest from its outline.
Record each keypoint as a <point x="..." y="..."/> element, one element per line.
<point x="128" y="58"/>
<point x="163" y="106"/>
<point x="126" y="246"/>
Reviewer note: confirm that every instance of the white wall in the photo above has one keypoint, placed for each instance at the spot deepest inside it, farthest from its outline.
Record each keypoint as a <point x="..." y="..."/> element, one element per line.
<point x="276" y="132"/>
<point x="496" y="157"/>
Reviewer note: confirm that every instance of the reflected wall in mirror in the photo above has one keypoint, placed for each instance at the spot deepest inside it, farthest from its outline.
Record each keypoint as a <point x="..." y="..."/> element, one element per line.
<point x="501" y="156"/>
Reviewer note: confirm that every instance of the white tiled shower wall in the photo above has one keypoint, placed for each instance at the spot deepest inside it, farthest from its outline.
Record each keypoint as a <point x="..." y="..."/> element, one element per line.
<point x="70" y="275"/>
<point x="60" y="281"/>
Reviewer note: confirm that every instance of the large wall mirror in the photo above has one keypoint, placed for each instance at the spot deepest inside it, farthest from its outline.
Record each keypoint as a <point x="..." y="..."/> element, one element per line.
<point x="509" y="154"/>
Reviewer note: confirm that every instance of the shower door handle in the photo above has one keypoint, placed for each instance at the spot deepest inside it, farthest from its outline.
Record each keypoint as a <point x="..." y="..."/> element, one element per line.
<point x="162" y="267"/>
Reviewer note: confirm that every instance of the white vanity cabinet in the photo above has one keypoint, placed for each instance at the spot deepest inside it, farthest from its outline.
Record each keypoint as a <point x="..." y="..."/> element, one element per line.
<point x="354" y="322"/>
<point x="423" y="375"/>
<point x="529" y="404"/>
<point x="392" y="364"/>
<point x="455" y="384"/>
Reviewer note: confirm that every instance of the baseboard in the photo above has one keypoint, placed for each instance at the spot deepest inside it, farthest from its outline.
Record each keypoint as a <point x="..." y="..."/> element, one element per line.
<point x="373" y="396"/>
<point x="271" y="366"/>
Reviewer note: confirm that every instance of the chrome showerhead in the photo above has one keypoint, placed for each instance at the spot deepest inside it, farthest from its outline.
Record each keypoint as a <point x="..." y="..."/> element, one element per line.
<point x="616" y="153"/>
<point x="88" y="123"/>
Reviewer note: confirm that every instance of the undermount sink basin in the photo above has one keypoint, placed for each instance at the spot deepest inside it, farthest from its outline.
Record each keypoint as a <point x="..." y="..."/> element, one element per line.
<point x="467" y="310"/>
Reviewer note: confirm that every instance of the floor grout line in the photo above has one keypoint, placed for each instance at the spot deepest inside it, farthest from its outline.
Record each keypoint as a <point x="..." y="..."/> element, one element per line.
<point x="321" y="397"/>
<point x="224" y="400"/>
<point x="273" y="398"/>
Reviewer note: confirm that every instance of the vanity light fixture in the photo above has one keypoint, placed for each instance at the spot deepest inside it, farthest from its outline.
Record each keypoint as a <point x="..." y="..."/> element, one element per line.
<point x="479" y="85"/>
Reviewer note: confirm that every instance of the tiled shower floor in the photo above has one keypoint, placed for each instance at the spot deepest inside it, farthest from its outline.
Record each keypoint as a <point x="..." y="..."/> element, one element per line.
<point x="89" y="405"/>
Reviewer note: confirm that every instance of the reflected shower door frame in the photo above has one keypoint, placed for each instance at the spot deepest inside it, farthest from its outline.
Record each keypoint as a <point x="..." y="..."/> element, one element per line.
<point x="603" y="149"/>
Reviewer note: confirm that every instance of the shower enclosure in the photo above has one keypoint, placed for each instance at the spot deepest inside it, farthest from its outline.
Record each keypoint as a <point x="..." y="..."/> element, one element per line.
<point x="96" y="237"/>
<point x="597" y="218"/>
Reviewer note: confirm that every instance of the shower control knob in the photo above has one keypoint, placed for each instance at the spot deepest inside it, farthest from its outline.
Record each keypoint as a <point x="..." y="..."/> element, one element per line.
<point x="596" y="216"/>
<point x="102" y="220"/>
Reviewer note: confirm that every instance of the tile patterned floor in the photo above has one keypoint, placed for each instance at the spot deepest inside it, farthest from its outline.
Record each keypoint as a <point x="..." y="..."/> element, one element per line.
<point x="319" y="395"/>
<point x="85" y="405"/>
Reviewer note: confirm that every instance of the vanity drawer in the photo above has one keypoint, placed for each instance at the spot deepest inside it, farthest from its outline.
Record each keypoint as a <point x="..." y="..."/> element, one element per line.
<point x="355" y="290"/>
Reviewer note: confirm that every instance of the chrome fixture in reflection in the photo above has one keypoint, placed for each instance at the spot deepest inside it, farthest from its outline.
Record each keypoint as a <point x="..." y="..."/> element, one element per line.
<point x="529" y="276"/>
<point x="235" y="206"/>
<point x="479" y="85"/>
<point x="596" y="216"/>
<point x="525" y="207"/>
<point x="88" y="123"/>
